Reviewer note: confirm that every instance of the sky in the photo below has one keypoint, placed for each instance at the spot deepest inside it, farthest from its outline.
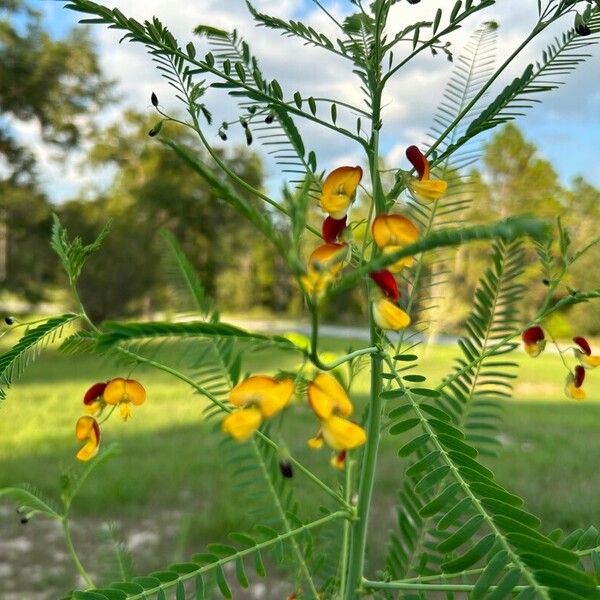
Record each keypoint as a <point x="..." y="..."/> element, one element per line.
<point x="565" y="127"/>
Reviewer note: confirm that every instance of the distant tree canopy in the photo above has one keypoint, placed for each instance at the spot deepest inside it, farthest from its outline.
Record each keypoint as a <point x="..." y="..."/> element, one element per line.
<point x="153" y="190"/>
<point x="57" y="84"/>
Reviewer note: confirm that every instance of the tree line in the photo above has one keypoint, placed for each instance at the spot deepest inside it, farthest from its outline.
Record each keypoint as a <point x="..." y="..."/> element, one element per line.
<point x="57" y="83"/>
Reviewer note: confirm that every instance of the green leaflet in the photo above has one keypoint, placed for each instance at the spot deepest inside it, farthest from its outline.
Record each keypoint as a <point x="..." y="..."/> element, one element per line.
<point x="114" y="332"/>
<point x="26" y="350"/>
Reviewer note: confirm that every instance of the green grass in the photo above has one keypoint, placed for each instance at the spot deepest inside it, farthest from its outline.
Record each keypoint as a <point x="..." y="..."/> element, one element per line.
<point x="170" y="478"/>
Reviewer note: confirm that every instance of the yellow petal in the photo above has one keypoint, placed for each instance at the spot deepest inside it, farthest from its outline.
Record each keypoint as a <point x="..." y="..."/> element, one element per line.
<point x="576" y="393"/>
<point x="241" y="424"/>
<point x="87" y="428"/>
<point x="326" y="396"/>
<point x="135" y="392"/>
<point x="407" y="261"/>
<point x="277" y="398"/>
<point x="115" y="391"/>
<point x="589" y="362"/>
<point x="339" y="188"/>
<point x="534" y="350"/>
<point x="388" y="315"/>
<point x="316" y="284"/>
<point x="342" y="434"/>
<point x="316" y="442"/>
<point x="328" y="258"/>
<point x="251" y="390"/>
<point x="95" y="408"/>
<point x="125" y="410"/>
<point x="428" y="190"/>
<point x="394" y="230"/>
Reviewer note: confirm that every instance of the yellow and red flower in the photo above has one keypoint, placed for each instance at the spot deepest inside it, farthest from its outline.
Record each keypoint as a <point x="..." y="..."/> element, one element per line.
<point x="324" y="265"/>
<point x="584" y="354"/>
<point x="123" y="393"/>
<point x="574" y="384"/>
<point x="339" y="189"/>
<point x="331" y="405"/>
<point x="388" y="315"/>
<point x="424" y="188"/>
<point x="88" y="431"/>
<point x="391" y="233"/>
<point x="93" y="398"/>
<point x="534" y="340"/>
<point x="257" y="398"/>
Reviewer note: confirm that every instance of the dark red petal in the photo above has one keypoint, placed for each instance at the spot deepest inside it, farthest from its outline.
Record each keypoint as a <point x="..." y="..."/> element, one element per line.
<point x="533" y="335"/>
<point x="341" y="458"/>
<point x="583" y="344"/>
<point x="333" y="228"/>
<point x="417" y="159"/>
<point x="385" y="280"/>
<point x="579" y="376"/>
<point x="94" y="393"/>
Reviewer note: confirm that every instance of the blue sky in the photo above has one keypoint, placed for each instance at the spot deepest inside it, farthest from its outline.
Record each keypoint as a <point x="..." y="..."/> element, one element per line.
<point x="566" y="127"/>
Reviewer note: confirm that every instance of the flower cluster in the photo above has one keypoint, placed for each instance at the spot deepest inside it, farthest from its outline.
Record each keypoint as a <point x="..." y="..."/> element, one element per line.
<point x="116" y="392"/>
<point x="261" y="397"/>
<point x="331" y="405"/>
<point x="391" y="233"/>
<point x="256" y="398"/>
<point x="534" y="343"/>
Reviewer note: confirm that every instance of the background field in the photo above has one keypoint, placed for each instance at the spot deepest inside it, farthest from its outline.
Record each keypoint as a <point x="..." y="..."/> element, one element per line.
<point x="170" y="492"/>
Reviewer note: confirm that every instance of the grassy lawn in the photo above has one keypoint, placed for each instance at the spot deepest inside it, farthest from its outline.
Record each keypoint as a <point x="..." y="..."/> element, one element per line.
<point x="171" y="491"/>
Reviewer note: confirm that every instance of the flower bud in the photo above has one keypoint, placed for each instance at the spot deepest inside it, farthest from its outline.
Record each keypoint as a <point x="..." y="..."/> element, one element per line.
<point x="9" y="320"/>
<point x="154" y="99"/>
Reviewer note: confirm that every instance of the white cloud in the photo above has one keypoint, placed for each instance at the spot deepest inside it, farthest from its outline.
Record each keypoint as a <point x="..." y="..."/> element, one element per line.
<point x="411" y="100"/>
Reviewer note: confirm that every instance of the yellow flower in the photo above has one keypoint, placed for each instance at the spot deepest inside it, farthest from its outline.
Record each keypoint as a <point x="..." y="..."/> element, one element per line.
<point x="424" y="189"/>
<point x="326" y="396"/>
<point x="339" y="188"/>
<point x="324" y="265"/>
<point x="331" y="404"/>
<point x="584" y="354"/>
<point x="574" y="384"/>
<point x="241" y="424"/>
<point x="391" y="233"/>
<point x="342" y="434"/>
<point x="388" y="315"/>
<point x="123" y="392"/>
<point x="87" y="430"/>
<point x="258" y="397"/>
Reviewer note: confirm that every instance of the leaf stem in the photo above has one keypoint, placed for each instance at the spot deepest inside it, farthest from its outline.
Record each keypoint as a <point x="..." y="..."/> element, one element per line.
<point x="73" y="553"/>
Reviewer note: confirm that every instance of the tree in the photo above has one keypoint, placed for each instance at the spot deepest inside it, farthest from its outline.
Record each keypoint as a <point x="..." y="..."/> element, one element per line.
<point x="153" y="190"/>
<point x="54" y="83"/>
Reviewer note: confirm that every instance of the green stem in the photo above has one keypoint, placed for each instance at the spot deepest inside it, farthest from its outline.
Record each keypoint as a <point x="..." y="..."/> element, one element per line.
<point x="73" y="552"/>
<point x="340" y="514"/>
<point x="346" y="532"/>
<point x="313" y="355"/>
<point x="430" y="587"/>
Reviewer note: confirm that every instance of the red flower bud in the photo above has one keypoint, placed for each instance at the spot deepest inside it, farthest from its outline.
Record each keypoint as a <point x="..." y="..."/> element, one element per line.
<point x="333" y="228"/>
<point x="584" y="345"/>
<point x="385" y="280"/>
<point x="94" y="393"/>
<point x="418" y="160"/>
<point x="533" y="335"/>
<point x="579" y="376"/>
